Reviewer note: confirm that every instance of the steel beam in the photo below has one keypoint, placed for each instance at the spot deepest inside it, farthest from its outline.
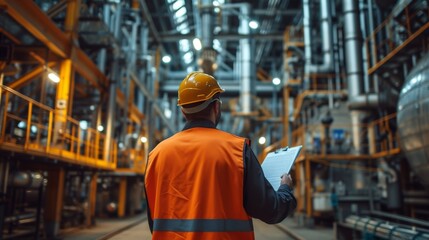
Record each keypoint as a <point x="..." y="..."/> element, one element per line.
<point x="22" y="81"/>
<point x="230" y="37"/>
<point x="35" y="21"/>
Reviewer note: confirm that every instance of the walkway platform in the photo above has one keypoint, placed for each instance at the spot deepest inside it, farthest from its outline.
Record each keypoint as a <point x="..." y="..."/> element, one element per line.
<point x="137" y="228"/>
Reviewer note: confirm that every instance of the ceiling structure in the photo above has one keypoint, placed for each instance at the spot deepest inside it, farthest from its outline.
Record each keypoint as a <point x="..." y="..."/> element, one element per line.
<point x="178" y="22"/>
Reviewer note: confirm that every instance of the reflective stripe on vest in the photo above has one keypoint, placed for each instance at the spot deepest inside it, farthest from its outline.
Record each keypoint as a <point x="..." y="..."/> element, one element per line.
<point x="202" y="225"/>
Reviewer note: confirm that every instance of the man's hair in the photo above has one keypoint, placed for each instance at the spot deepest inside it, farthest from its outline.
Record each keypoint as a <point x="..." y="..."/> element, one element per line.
<point x="203" y="114"/>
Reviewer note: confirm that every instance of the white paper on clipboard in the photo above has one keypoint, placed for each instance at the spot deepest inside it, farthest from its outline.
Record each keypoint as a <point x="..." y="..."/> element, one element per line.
<point x="279" y="162"/>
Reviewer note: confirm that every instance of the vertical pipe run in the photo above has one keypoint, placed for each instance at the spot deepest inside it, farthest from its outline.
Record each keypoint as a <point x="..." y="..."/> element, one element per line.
<point x="371" y="28"/>
<point x="326" y="31"/>
<point x="112" y="87"/>
<point x="307" y="42"/>
<point x="364" y="30"/>
<point x="207" y="24"/>
<point x="247" y="68"/>
<point x="353" y="63"/>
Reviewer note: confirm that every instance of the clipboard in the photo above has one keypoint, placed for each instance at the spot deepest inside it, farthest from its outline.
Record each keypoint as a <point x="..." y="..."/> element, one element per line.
<point x="279" y="162"/>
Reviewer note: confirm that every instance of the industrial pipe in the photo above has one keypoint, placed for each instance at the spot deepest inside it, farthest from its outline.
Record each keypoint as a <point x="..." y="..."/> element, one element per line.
<point x="326" y="31"/>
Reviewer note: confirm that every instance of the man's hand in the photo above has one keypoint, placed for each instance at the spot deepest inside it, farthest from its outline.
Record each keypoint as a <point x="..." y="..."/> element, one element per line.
<point x="287" y="179"/>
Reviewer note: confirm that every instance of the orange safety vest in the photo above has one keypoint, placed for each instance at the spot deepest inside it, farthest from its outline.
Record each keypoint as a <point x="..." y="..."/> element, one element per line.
<point x="194" y="185"/>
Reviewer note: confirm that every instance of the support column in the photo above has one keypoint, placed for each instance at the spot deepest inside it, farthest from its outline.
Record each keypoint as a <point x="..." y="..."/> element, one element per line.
<point x="4" y="175"/>
<point x="54" y="202"/>
<point x="62" y="99"/>
<point x="286" y="132"/>
<point x="90" y="220"/>
<point x="122" y="198"/>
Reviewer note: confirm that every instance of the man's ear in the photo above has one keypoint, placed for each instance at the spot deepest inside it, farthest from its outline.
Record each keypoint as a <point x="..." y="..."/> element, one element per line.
<point x="217" y="106"/>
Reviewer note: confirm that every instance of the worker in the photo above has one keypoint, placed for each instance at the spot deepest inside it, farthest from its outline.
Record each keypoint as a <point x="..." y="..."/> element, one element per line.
<point x="204" y="183"/>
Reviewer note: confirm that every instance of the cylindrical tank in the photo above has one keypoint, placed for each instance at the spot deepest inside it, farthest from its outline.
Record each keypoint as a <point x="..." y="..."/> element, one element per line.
<point x="413" y="119"/>
<point x="25" y="179"/>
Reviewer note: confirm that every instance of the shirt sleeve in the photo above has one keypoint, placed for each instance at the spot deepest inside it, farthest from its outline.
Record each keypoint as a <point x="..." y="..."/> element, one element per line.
<point x="260" y="199"/>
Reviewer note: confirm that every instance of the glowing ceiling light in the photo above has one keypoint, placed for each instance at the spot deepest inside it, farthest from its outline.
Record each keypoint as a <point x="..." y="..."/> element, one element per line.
<point x="189" y="69"/>
<point x="197" y="44"/>
<point x="33" y="129"/>
<point x="276" y="81"/>
<point x="184" y="45"/>
<point x="180" y="12"/>
<point x="143" y="139"/>
<point x="262" y="140"/>
<point x="167" y="113"/>
<point x="22" y="124"/>
<point x="188" y="57"/>
<point x="83" y="124"/>
<point x="53" y="76"/>
<point x="253" y="24"/>
<point x="100" y="128"/>
<point x="166" y="59"/>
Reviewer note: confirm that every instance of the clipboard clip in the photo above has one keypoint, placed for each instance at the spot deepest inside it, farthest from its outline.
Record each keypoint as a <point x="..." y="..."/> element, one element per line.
<point x="281" y="149"/>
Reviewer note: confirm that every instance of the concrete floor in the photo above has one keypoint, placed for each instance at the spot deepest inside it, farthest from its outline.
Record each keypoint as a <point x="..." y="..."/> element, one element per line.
<point x="137" y="228"/>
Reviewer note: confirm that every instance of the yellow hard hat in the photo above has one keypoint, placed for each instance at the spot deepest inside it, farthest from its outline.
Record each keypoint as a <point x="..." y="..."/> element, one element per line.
<point x="197" y="87"/>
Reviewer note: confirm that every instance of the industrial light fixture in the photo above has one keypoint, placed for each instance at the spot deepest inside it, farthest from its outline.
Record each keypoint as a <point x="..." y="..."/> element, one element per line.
<point x="189" y="69"/>
<point x="22" y="124"/>
<point x="143" y="139"/>
<point x="100" y="128"/>
<point x="167" y="113"/>
<point x="166" y="59"/>
<point x="33" y="129"/>
<point x="83" y="124"/>
<point x="253" y="24"/>
<point x="276" y="81"/>
<point x="53" y="76"/>
<point x="197" y="44"/>
<point x="262" y="140"/>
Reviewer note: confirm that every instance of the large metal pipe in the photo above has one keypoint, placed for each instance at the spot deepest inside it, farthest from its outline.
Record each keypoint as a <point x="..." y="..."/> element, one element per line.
<point x="245" y="63"/>
<point x="353" y="45"/>
<point x="326" y="31"/>
<point x="111" y="105"/>
<point x="386" y="230"/>
<point x="207" y="24"/>
<point x="358" y="99"/>
<point x="247" y="67"/>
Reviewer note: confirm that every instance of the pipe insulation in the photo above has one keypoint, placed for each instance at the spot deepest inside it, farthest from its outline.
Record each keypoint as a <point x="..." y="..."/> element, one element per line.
<point x="326" y="31"/>
<point x="247" y="64"/>
<point x="207" y="24"/>
<point x="358" y="99"/>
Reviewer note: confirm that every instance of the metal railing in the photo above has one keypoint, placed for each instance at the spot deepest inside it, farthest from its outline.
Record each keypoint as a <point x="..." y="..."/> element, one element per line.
<point x="381" y="135"/>
<point x="398" y="30"/>
<point x="381" y="138"/>
<point x="31" y="127"/>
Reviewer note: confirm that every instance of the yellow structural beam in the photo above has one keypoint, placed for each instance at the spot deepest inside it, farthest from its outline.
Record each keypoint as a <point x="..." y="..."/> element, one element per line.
<point x="122" y="198"/>
<point x="28" y="77"/>
<point x="62" y="98"/>
<point x="54" y="201"/>
<point x="92" y="199"/>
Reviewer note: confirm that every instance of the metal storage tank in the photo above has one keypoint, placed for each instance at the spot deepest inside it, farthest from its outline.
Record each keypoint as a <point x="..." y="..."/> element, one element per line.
<point x="413" y="119"/>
